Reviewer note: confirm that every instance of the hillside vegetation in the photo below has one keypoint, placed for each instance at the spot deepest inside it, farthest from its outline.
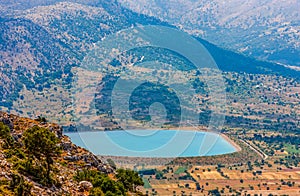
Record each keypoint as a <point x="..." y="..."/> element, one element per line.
<point x="42" y="43"/>
<point x="36" y="159"/>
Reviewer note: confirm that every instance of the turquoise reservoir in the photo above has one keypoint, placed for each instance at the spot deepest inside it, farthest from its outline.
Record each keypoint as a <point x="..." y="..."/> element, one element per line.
<point x="149" y="143"/>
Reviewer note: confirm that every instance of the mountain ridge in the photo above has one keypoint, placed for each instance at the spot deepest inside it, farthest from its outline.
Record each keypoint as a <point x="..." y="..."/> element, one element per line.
<point x="56" y="38"/>
<point x="266" y="30"/>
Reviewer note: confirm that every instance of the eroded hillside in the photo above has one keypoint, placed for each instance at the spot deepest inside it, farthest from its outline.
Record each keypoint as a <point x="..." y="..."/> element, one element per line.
<point x="71" y="160"/>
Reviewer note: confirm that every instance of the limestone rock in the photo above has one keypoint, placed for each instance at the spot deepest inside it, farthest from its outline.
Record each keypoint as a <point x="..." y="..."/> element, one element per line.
<point x="85" y="186"/>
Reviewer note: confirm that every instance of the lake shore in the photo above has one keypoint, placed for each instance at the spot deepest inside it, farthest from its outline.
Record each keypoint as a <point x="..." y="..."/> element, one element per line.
<point x="131" y="162"/>
<point x="193" y="128"/>
<point x="235" y="145"/>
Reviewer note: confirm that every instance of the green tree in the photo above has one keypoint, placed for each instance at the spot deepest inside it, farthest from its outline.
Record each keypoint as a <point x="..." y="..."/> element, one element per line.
<point x="6" y="136"/>
<point x="101" y="183"/>
<point x="111" y="163"/>
<point x="129" y="178"/>
<point x="42" y="145"/>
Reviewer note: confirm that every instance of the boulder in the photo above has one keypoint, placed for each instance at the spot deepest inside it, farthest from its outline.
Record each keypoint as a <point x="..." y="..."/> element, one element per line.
<point x="71" y="158"/>
<point x="66" y="145"/>
<point x="85" y="186"/>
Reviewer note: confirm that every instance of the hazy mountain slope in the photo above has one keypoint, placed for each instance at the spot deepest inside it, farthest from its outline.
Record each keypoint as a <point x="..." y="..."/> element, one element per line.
<point x="79" y="25"/>
<point x="29" y="57"/>
<point x="235" y="62"/>
<point x="40" y="45"/>
<point x="269" y="30"/>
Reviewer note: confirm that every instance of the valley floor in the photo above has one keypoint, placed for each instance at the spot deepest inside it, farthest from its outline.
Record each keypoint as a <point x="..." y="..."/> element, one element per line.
<point x="261" y="167"/>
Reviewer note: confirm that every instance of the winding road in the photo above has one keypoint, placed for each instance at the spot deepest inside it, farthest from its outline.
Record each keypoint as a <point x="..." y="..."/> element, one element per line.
<point x="256" y="149"/>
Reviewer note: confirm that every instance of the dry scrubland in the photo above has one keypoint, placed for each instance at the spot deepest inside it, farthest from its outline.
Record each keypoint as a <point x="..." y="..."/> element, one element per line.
<point x="253" y="101"/>
<point x="269" y="172"/>
<point x="257" y="105"/>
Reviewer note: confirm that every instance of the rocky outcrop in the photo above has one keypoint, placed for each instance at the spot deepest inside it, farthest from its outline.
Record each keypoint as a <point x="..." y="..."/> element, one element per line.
<point x="72" y="159"/>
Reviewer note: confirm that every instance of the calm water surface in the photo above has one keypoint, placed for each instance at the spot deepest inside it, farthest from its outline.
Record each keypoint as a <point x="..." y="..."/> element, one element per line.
<point x="146" y="143"/>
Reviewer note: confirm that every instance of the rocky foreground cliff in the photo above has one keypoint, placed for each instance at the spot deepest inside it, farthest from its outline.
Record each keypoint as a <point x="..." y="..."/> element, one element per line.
<point x="70" y="161"/>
